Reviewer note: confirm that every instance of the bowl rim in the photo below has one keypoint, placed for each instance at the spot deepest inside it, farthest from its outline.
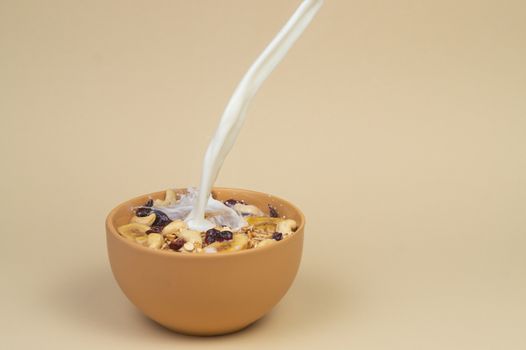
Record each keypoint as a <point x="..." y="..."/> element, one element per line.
<point x="111" y="229"/>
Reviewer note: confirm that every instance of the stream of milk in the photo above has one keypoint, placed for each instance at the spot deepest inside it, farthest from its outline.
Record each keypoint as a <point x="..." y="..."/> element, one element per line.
<point x="235" y="111"/>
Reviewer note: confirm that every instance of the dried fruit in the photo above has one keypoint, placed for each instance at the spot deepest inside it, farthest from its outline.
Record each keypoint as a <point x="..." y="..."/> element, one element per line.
<point x="177" y="244"/>
<point x="161" y="219"/>
<point x="225" y="235"/>
<point x="211" y="235"/>
<point x="231" y="202"/>
<point x="273" y="212"/>
<point x="154" y="229"/>
<point x="143" y="211"/>
<point x="133" y="230"/>
<point x="278" y="236"/>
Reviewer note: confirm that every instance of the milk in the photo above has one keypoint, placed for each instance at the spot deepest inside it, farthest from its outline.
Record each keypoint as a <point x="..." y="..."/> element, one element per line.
<point x="235" y="111"/>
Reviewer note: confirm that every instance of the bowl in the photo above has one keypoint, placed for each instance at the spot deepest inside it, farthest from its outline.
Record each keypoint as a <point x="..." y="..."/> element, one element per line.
<point x="205" y="294"/>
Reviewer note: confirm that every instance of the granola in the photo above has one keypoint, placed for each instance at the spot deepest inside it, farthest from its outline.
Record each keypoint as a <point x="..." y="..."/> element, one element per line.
<point x="160" y="225"/>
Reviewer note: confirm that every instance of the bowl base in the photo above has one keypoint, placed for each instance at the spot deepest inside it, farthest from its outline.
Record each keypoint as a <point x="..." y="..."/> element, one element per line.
<point x="200" y="333"/>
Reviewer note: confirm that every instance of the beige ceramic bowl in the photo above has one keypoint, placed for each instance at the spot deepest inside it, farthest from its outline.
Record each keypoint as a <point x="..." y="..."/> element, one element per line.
<point x="205" y="294"/>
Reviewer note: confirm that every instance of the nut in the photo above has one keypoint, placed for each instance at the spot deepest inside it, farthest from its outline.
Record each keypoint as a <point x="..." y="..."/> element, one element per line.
<point x="265" y="242"/>
<point x="145" y="220"/>
<point x="170" y="237"/>
<point x="142" y="240"/>
<point x="133" y="230"/>
<point x="155" y="240"/>
<point x="238" y="242"/>
<point x="248" y="210"/>
<point x="174" y="227"/>
<point x="210" y="249"/>
<point x="286" y="226"/>
<point x="188" y="246"/>
<point x="190" y="236"/>
<point x="170" y="198"/>
<point x="257" y="221"/>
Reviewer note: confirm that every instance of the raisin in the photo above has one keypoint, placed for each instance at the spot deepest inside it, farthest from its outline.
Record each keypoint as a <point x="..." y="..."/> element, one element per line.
<point x="273" y="212"/>
<point x="278" y="236"/>
<point x="161" y="219"/>
<point x="177" y="244"/>
<point x="226" y="235"/>
<point x="211" y="236"/>
<point x="231" y="202"/>
<point x="212" y="232"/>
<point x="154" y="229"/>
<point x="144" y="210"/>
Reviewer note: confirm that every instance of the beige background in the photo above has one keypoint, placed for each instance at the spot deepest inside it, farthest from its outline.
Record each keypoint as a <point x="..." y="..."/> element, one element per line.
<point x="398" y="126"/>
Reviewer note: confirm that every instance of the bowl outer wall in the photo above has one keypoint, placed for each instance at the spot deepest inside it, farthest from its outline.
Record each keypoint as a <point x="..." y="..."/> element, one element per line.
<point x="205" y="294"/>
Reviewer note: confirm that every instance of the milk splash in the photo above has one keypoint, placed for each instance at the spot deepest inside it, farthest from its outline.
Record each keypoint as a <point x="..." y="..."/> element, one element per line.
<point x="235" y="112"/>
